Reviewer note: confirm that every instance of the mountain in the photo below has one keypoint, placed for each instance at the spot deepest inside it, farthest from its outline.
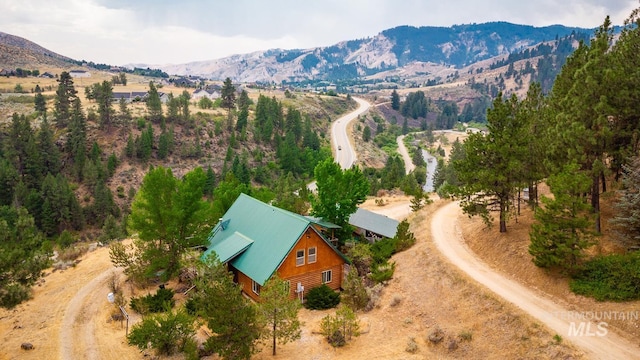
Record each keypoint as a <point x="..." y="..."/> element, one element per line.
<point x="456" y="46"/>
<point x="19" y="52"/>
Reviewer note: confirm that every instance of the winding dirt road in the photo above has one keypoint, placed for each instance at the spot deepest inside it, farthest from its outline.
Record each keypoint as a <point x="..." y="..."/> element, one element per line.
<point x="596" y="344"/>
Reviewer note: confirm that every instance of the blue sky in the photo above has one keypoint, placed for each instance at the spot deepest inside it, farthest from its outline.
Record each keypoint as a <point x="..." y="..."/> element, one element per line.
<point x="122" y="32"/>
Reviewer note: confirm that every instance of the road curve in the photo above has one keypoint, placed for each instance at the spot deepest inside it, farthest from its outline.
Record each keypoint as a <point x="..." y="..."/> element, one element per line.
<point x="345" y="155"/>
<point x="449" y="241"/>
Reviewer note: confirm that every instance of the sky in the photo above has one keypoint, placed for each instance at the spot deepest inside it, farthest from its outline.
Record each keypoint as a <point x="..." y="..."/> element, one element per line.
<point x="121" y="32"/>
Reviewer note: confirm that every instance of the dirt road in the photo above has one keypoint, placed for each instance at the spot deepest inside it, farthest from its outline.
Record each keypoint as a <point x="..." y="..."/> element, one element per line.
<point x="448" y="238"/>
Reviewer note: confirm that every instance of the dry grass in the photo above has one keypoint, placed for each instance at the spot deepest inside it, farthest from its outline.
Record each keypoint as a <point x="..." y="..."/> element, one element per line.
<point x="432" y="295"/>
<point x="508" y="253"/>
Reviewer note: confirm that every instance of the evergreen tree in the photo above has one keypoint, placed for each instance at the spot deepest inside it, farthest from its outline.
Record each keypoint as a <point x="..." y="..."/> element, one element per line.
<point x="104" y="98"/>
<point x="626" y="222"/>
<point x="395" y="100"/>
<point x="21" y="259"/>
<point x="76" y="145"/>
<point x="154" y="104"/>
<point x="490" y="170"/>
<point x="49" y="153"/>
<point x="561" y="231"/>
<point x="65" y="96"/>
<point x="9" y="178"/>
<point x="580" y="99"/>
<point x="279" y="312"/>
<point x="184" y="105"/>
<point x="228" y="95"/>
<point x="173" y="108"/>
<point x="232" y="318"/>
<point x="354" y="294"/>
<point x="366" y="133"/>
<point x="124" y="114"/>
<point x="40" y="103"/>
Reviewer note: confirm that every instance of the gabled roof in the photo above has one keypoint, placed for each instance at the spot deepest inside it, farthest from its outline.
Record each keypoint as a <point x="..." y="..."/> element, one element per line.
<point x="255" y="237"/>
<point x="376" y="223"/>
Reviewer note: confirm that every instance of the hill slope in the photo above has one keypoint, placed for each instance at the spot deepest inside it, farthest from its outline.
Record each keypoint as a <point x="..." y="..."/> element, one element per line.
<point x="456" y="46"/>
<point x="19" y="52"/>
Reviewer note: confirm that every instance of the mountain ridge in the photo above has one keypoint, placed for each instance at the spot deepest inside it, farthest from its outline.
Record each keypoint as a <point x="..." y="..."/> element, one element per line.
<point x="457" y="46"/>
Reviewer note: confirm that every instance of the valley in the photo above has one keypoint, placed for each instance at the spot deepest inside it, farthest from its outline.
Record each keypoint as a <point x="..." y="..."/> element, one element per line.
<point x="510" y="151"/>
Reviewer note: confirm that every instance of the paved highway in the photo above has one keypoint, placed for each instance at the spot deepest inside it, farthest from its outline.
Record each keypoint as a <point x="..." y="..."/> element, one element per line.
<point x="341" y="144"/>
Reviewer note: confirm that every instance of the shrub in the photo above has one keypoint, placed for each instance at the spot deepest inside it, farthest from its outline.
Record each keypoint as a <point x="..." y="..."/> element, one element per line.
<point x="404" y="238"/>
<point x="382" y="250"/>
<point x="322" y="297"/>
<point x="158" y="302"/>
<point x="339" y="328"/>
<point x="354" y="293"/>
<point x="167" y="333"/>
<point x="412" y="346"/>
<point x="611" y="277"/>
<point x="383" y="272"/>
<point x="65" y="239"/>
<point x="466" y="335"/>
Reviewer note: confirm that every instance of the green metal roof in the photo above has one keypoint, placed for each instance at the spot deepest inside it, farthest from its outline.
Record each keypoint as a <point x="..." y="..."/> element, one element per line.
<point x="272" y="232"/>
<point x="321" y="222"/>
<point x="230" y="247"/>
<point x="376" y="223"/>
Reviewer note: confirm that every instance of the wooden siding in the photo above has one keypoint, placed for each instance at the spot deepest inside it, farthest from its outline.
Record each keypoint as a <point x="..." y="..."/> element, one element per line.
<point x="308" y="275"/>
<point x="245" y="282"/>
<point x="314" y="279"/>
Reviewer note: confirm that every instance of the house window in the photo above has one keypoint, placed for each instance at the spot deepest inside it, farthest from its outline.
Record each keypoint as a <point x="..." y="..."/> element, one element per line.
<point x="300" y="257"/>
<point x="255" y="287"/>
<point x="311" y="255"/>
<point x="326" y="276"/>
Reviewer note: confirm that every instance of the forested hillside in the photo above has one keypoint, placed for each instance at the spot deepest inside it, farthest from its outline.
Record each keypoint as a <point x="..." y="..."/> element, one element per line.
<point x="70" y="168"/>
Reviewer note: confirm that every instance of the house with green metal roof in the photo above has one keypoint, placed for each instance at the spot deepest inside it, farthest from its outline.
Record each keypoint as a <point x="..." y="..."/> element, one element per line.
<point x="257" y="240"/>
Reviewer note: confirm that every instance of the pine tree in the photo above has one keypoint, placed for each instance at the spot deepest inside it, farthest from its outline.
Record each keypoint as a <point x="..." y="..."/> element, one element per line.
<point x="561" y="231"/>
<point x="104" y="98"/>
<point x="77" y="139"/>
<point x="65" y="96"/>
<point x="231" y="317"/>
<point x="40" y="103"/>
<point x="626" y="222"/>
<point x="366" y="133"/>
<point x="395" y="100"/>
<point x="21" y="259"/>
<point x="279" y="312"/>
<point x="154" y="104"/>
<point x="124" y="114"/>
<point x="228" y="95"/>
<point x="49" y="153"/>
<point x="490" y="170"/>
